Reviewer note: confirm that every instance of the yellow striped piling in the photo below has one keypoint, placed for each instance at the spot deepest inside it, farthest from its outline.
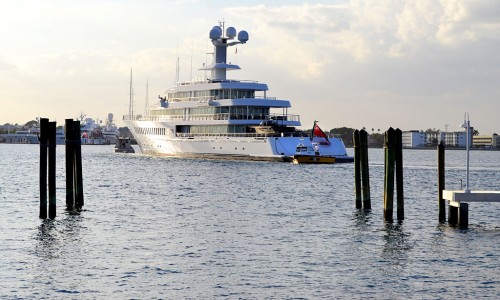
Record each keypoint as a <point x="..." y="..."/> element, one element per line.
<point x="389" y="154"/>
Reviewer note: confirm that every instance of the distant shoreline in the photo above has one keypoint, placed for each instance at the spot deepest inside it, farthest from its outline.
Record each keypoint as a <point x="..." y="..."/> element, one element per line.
<point x="435" y="148"/>
<point x="455" y="148"/>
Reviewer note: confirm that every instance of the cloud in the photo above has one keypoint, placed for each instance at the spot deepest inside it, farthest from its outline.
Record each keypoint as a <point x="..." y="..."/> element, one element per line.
<point x="6" y="66"/>
<point x="423" y="54"/>
<point x="363" y="30"/>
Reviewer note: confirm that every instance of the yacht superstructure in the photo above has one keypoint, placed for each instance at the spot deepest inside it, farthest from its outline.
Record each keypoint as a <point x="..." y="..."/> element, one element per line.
<point x="217" y="117"/>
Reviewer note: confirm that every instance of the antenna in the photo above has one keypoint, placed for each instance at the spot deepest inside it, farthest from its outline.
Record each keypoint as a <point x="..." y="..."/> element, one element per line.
<point x="191" y="74"/>
<point x="222" y="24"/>
<point x="177" y="71"/>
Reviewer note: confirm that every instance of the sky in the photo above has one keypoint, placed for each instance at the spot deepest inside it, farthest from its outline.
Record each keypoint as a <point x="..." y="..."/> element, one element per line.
<point x="412" y="65"/>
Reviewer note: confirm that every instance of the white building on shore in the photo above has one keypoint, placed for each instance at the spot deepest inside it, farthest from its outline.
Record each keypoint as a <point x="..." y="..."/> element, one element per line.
<point x="486" y="141"/>
<point x="418" y="139"/>
<point x="414" y="139"/>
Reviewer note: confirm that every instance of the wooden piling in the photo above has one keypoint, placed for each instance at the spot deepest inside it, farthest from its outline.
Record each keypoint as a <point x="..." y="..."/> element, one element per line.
<point x="365" y="176"/>
<point x="452" y="215"/>
<point x="357" y="168"/>
<point x="463" y="216"/>
<point x="69" y="146"/>
<point x="52" y="168"/>
<point x="78" y="176"/>
<point x="399" y="173"/>
<point x="43" y="167"/>
<point x="389" y="152"/>
<point x="441" y="182"/>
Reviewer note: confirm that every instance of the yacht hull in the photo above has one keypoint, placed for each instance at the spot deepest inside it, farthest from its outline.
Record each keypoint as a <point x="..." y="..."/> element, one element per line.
<point x="257" y="147"/>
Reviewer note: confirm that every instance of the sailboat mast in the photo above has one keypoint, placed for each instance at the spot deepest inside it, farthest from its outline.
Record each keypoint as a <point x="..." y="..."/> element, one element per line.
<point x="177" y="65"/>
<point x="147" y="98"/>
<point x="131" y="101"/>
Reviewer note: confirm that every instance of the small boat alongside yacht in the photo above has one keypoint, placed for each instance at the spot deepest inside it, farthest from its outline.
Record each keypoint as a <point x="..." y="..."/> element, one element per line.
<point x="308" y="155"/>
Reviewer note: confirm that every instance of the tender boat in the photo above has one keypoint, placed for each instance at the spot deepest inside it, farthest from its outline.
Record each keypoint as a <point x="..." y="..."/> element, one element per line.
<point x="217" y="117"/>
<point x="124" y="145"/>
<point x="306" y="154"/>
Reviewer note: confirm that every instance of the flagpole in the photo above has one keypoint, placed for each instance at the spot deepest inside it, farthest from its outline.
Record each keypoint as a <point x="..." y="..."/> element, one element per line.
<point x="312" y="131"/>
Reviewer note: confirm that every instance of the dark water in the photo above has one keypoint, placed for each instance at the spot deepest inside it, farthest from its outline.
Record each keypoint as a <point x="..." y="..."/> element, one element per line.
<point x="174" y="228"/>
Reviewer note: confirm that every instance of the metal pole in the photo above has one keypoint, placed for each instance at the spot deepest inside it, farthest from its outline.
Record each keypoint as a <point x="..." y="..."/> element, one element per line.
<point x="467" y="188"/>
<point x="468" y="136"/>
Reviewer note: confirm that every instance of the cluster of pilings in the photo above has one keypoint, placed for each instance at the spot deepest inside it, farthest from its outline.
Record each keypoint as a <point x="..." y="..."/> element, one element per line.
<point x="393" y="147"/>
<point x="393" y="150"/>
<point x="361" y="172"/>
<point x="74" y="181"/>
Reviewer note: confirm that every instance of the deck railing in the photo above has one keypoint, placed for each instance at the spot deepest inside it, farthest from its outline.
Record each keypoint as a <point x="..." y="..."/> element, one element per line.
<point x="263" y="135"/>
<point x="214" y="117"/>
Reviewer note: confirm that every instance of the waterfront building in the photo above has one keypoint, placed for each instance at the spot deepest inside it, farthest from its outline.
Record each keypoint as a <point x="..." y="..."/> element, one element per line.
<point x="456" y="139"/>
<point x="486" y="141"/>
<point x="413" y="139"/>
<point x="416" y="139"/>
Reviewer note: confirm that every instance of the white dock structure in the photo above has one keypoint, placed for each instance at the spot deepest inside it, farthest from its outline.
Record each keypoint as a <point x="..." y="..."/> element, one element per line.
<point x="459" y="200"/>
<point x="455" y="197"/>
<point x="459" y="204"/>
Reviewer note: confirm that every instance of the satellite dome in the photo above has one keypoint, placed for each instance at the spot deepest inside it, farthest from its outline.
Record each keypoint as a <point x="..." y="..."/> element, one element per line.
<point x="243" y="36"/>
<point x="231" y="32"/>
<point x="215" y="33"/>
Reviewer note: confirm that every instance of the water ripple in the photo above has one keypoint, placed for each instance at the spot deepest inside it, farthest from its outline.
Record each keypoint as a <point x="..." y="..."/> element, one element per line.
<point x="186" y="228"/>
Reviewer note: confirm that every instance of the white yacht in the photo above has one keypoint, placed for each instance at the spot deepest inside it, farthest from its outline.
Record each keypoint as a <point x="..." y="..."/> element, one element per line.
<point x="217" y="117"/>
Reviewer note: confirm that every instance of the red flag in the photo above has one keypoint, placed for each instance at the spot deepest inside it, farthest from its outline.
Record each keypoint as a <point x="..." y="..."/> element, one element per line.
<point x="319" y="133"/>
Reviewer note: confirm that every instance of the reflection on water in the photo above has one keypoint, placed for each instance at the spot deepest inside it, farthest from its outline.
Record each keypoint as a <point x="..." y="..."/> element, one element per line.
<point x="362" y="219"/>
<point x="398" y="245"/>
<point x="59" y="237"/>
<point x="48" y="244"/>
